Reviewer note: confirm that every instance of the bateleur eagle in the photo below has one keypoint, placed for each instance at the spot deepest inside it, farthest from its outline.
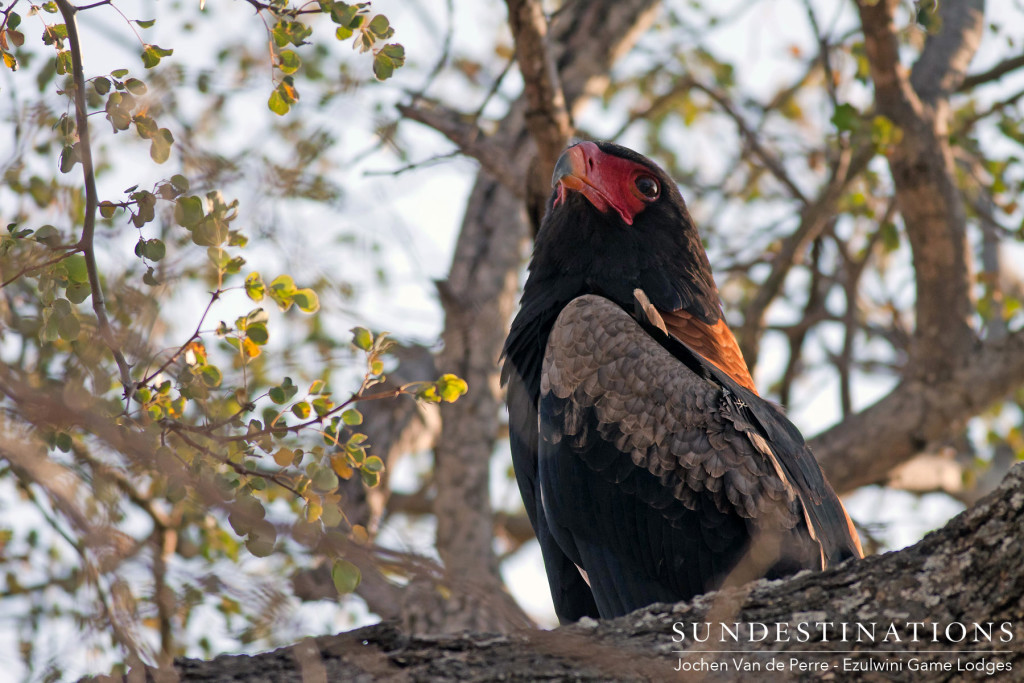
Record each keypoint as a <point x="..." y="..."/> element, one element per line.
<point x="650" y="468"/>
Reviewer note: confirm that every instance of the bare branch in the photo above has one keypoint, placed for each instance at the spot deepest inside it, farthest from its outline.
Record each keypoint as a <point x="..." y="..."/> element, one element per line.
<point x="918" y="412"/>
<point x="750" y="137"/>
<point x="993" y="74"/>
<point x="470" y="140"/>
<point x="814" y="218"/>
<point x="546" y="115"/>
<point x="922" y="170"/>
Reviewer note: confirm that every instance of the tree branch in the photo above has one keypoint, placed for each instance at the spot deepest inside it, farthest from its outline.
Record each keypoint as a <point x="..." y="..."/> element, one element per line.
<point x="814" y="218"/>
<point x="546" y="114"/>
<point x="468" y="137"/>
<point x="771" y="162"/>
<point x="865" y="447"/>
<point x="994" y="74"/>
<point x="99" y="308"/>
<point x="966" y="573"/>
<point x="942" y="66"/>
<point x="922" y="169"/>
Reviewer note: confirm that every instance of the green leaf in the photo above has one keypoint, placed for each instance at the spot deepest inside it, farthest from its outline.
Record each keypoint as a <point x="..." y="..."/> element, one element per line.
<point x="55" y="34"/>
<point x="890" y="236"/>
<point x="119" y="73"/>
<point x="63" y="442"/>
<point x="312" y="511"/>
<point x="846" y="117"/>
<point x="346" y="576"/>
<point x="288" y="61"/>
<point x="277" y="104"/>
<point x="362" y="338"/>
<point x="343" y="14"/>
<point x="77" y="292"/>
<point x="383" y="67"/>
<point x="257" y="333"/>
<point x="352" y="417"/>
<point x="322" y="405"/>
<point x="262" y="538"/>
<point x="102" y="85"/>
<point x="188" y="211"/>
<point x="381" y="27"/>
<point x="160" y="147"/>
<point x="68" y="326"/>
<point x="107" y="209"/>
<point x="282" y="290"/>
<point x="147" y="23"/>
<point x="283" y="393"/>
<point x="135" y="86"/>
<point x="254" y="287"/>
<point x="316" y="387"/>
<point x="154" y="249"/>
<point x="306" y="300"/>
<point x="68" y="158"/>
<point x="325" y="479"/>
<point x="118" y="108"/>
<point x="179" y="182"/>
<point x="301" y="410"/>
<point x="373" y="464"/>
<point x="211" y="375"/>
<point x="152" y="54"/>
<point x="389" y="58"/>
<point x="75" y="267"/>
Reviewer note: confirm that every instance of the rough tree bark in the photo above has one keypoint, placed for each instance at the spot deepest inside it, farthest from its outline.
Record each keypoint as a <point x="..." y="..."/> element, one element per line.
<point x="969" y="572"/>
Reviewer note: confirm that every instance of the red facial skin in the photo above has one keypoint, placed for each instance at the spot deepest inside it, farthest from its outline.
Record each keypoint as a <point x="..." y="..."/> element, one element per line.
<point x="608" y="182"/>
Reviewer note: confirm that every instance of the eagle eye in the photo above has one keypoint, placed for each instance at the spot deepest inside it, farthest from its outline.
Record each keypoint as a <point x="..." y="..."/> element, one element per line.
<point x="648" y="187"/>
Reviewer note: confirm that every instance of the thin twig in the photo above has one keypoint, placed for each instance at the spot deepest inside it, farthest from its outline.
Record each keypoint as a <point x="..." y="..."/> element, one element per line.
<point x="86" y="244"/>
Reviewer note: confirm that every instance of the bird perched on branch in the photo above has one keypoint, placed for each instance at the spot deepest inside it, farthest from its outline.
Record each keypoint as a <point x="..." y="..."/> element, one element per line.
<point x="650" y="468"/>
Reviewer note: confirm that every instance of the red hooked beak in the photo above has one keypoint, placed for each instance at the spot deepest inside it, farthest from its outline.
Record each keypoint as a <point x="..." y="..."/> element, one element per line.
<point x="601" y="178"/>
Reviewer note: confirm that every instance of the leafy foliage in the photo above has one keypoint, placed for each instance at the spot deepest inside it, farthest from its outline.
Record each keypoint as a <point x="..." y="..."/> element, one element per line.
<point x="139" y="450"/>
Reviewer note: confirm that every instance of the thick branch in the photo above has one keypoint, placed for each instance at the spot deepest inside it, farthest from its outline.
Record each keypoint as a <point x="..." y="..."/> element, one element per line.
<point x="865" y="447"/>
<point x="922" y="170"/>
<point x="967" y="573"/>
<point x="942" y="67"/>
<point x="546" y="114"/>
